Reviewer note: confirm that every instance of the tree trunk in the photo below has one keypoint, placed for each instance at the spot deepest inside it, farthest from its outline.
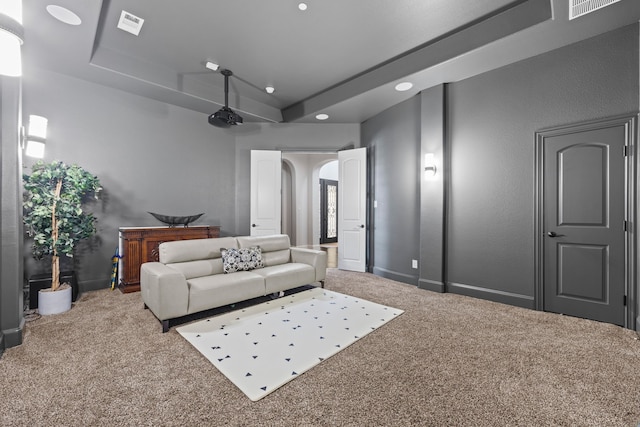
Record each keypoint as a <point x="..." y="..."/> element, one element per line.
<point x="55" y="259"/>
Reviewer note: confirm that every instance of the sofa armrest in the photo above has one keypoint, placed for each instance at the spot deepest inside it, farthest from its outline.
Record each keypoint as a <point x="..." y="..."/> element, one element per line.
<point x="164" y="290"/>
<point x="315" y="258"/>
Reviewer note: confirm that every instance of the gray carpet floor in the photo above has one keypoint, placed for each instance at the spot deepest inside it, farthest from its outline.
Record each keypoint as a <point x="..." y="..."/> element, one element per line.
<point x="449" y="360"/>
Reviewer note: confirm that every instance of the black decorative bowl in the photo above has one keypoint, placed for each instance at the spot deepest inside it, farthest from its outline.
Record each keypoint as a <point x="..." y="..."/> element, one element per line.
<point x="172" y="221"/>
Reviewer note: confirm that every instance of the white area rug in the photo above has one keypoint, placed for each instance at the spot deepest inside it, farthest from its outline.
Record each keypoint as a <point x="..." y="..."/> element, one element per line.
<point x="263" y="347"/>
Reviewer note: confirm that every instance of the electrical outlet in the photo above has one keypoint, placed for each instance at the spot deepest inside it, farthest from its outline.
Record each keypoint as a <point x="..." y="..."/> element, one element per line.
<point x="414" y="263"/>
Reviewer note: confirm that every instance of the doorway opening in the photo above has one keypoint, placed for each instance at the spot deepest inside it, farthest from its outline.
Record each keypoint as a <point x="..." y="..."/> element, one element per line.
<point x="301" y="182"/>
<point x="309" y="201"/>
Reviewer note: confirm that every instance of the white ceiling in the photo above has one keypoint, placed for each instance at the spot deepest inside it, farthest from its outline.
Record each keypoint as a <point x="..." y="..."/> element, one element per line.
<point x="339" y="57"/>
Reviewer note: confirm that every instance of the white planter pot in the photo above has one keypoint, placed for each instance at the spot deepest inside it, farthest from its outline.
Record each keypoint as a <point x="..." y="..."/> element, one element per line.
<point x="54" y="302"/>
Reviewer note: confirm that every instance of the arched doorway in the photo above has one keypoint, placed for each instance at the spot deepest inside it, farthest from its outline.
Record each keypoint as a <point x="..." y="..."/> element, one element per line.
<point x="288" y="200"/>
<point x="301" y="204"/>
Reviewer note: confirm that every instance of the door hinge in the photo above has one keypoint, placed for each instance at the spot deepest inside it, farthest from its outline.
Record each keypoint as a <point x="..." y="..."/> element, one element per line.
<point x="624" y="300"/>
<point x="626" y="150"/>
<point x="624" y="225"/>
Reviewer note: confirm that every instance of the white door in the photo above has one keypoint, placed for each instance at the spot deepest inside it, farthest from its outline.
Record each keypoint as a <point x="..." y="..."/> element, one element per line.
<point x="266" y="186"/>
<point x="352" y="209"/>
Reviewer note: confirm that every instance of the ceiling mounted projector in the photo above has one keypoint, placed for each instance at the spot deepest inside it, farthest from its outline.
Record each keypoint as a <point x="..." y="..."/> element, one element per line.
<point x="225" y="117"/>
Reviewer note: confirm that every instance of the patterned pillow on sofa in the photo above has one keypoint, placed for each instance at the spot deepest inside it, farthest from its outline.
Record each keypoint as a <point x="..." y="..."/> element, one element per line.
<point x="244" y="259"/>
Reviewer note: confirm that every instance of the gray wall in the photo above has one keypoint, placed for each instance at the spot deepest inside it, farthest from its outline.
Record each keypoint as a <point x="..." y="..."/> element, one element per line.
<point x="393" y="140"/>
<point x="492" y="120"/>
<point x="149" y="156"/>
<point x="490" y="124"/>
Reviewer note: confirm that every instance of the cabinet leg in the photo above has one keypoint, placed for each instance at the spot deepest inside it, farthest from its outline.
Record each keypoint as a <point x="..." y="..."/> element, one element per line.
<point x="322" y="284"/>
<point x="165" y="326"/>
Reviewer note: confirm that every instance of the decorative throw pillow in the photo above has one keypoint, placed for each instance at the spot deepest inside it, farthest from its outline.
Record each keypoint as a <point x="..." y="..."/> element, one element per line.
<point x="244" y="259"/>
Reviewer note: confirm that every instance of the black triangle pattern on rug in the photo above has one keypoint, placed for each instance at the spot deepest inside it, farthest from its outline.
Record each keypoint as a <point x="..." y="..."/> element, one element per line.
<point x="265" y="346"/>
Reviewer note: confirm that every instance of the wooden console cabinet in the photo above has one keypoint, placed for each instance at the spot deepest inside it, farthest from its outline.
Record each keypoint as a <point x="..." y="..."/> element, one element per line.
<point x="138" y="245"/>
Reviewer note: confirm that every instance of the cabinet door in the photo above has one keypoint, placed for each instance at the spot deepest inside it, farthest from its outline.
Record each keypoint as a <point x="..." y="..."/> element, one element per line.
<point x="140" y="245"/>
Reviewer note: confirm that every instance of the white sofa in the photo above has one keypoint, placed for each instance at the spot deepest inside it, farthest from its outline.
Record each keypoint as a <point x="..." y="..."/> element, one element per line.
<point x="190" y="276"/>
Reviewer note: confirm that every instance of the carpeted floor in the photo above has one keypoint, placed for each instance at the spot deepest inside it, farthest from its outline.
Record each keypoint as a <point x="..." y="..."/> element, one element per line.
<point x="449" y="360"/>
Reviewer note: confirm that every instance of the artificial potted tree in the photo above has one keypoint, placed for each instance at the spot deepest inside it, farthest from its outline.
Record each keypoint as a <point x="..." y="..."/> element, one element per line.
<point x="54" y="195"/>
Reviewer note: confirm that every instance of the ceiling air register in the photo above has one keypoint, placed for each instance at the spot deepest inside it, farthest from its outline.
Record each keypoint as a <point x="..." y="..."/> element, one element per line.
<point x="579" y="8"/>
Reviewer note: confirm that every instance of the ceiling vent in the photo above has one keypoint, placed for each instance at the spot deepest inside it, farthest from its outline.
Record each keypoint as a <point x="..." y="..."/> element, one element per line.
<point x="130" y="23"/>
<point x="582" y="7"/>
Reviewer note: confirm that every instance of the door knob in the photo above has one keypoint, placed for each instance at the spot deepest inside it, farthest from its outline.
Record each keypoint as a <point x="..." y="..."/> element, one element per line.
<point x="552" y="234"/>
<point x="253" y="225"/>
<point x="361" y="225"/>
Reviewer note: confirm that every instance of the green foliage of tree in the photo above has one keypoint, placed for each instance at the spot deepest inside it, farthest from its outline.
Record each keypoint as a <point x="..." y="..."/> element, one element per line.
<point x="53" y="215"/>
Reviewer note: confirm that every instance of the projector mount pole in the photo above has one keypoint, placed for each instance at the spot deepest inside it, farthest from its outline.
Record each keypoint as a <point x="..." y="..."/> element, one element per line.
<point x="226" y="74"/>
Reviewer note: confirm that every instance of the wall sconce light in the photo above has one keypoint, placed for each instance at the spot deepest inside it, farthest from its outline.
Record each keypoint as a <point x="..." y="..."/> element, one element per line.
<point x="36" y="136"/>
<point x="430" y="168"/>
<point x="11" y="37"/>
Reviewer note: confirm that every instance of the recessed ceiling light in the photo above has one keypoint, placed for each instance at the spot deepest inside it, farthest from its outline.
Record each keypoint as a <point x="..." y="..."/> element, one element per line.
<point x="63" y="14"/>
<point x="401" y="87"/>
<point x="270" y="89"/>
<point x="302" y="6"/>
<point x="322" y="116"/>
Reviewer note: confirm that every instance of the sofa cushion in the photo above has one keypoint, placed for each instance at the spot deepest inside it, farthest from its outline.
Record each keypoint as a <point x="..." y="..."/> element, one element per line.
<point x="275" y="248"/>
<point x="244" y="259"/>
<point x="193" y="250"/>
<point x="203" y="267"/>
<point x="269" y="243"/>
<point x="285" y="276"/>
<point x="276" y="257"/>
<point x="222" y="289"/>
